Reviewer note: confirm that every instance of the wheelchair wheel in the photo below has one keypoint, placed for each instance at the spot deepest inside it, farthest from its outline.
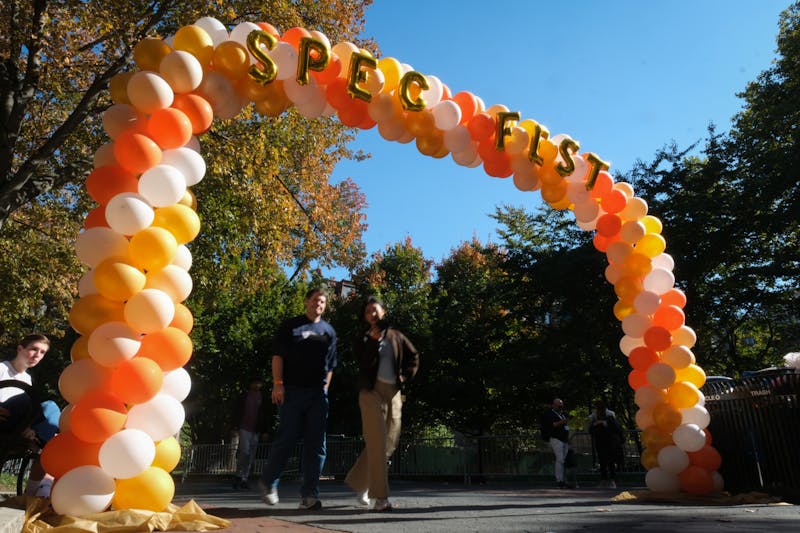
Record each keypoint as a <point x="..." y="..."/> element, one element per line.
<point x="24" y="472"/>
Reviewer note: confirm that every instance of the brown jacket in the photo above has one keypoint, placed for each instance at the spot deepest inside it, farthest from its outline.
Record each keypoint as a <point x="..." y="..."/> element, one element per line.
<point x="406" y="359"/>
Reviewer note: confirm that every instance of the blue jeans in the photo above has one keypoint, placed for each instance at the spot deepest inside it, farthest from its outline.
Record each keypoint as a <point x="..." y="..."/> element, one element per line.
<point x="304" y="413"/>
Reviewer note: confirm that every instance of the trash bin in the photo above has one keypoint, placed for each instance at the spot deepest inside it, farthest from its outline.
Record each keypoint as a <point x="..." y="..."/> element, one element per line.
<point x="755" y="426"/>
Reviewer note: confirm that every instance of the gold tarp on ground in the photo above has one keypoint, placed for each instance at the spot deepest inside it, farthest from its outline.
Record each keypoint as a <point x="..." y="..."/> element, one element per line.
<point x="40" y="518"/>
<point x="722" y="498"/>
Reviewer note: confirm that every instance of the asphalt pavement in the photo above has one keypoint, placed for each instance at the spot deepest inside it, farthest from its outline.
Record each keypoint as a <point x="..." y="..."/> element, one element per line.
<point x="493" y="507"/>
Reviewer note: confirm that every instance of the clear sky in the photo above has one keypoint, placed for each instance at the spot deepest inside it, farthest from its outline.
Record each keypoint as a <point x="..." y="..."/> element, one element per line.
<point x="622" y="77"/>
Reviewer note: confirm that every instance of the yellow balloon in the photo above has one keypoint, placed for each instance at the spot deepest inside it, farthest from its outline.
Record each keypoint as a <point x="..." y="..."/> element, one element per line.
<point x="693" y="374"/>
<point x="118" y="86"/>
<point x="153" y="248"/>
<point x="622" y="309"/>
<point x="189" y="199"/>
<point x="652" y="224"/>
<point x="180" y="220"/>
<point x="231" y="60"/>
<point x="92" y="310"/>
<point x="149" y="52"/>
<point x="117" y="280"/>
<point x="651" y="245"/>
<point x="168" y="454"/>
<point x="80" y="348"/>
<point x="151" y="490"/>
<point x="196" y="41"/>
<point x="392" y="72"/>
<point x="683" y="395"/>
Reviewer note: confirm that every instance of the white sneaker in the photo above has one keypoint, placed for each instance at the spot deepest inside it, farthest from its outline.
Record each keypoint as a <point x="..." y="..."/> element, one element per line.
<point x="310" y="504"/>
<point x="363" y="498"/>
<point x="269" y="495"/>
<point x="382" y="504"/>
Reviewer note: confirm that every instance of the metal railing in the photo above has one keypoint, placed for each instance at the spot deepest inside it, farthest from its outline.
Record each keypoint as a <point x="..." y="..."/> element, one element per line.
<point x="465" y="458"/>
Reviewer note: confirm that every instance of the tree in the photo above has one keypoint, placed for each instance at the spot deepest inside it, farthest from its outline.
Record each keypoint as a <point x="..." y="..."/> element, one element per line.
<point x="269" y="210"/>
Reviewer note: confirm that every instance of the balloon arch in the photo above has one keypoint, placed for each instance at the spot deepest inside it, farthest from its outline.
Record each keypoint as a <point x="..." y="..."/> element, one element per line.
<point x="126" y="380"/>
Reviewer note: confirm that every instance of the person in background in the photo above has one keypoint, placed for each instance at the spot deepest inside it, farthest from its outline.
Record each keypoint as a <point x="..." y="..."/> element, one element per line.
<point x="607" y="437"/>
<point x="252" y="421"/>
<point x="302" y="368"/>
<point x="387" y="362"/>
<point x="556" y="425"/>
<point x="15" y="403"/>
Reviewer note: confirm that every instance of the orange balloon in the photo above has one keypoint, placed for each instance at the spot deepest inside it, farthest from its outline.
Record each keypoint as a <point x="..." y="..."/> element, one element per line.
<point x="354" y="113"/>
<point x="293" y="36"/>
<point x="602" y="185"/>
<point x="669" y="317"/>
<point x="683" y="395"/>
<point x="197" y="110"/>
<point x="169" y="128"/>
<point x="674" y="296"/>
<point x="666" y="417"/>
<point x="118" y="87"/>
<point x="136" y="152"/>
<point x="149" y="52"/>
<point x="80" y="348"/>
<point x="96" y="218"/>
<point x="623" y="309"/>
<point x="136" y="380"/>
<point x="707" y="458"/>
<point x="696" y="480"/>
<point x="642" y="357"/>
<point x="468" y="104"/>
<point x="554" y="192"/>
<point x="335" y="93"/>
<point x="609" y="225"/>
<point x="170" y="347"/>
<point x="614" y="201"/>
<point x="637" y="379"/>
<point x="97" y="416"/>
<point x="481" y="127"/>
<point x="103" y="183"/>
<point x="637" y="264"/>
<point x="92" y="310"/>
<point x="183" y="319"/>
<point x="65" y="451"/>
<point x="269" y="28"/>
<point x="657" y="338"/>
<point x="329" y="73"/>
<point x="627" y="287"/>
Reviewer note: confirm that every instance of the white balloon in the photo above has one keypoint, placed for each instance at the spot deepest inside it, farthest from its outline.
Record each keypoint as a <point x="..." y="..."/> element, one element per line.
<point x="577" y="193"/>
<point x="446" y="115"/>
<point x="183" y="257"/>
<point x="285" y="57"/>
<point x="96" y="244"/>
<point x="635" y="325"/>
<point x="118" y="118"/>
<point x="86" y="284"/>
<point x="127" y="453"/>
<point x="113" y="342"/>
<point x="659" y="480"/>
<point x="678" y="356"/>
<point x="659" y="280"/>
<point x="193" y="144"/>
<point x="632" y="231"/>
<point x="214" y="28"/>
<point x="648" y="396"/>
<point x="672" y="459"/>
<point x="182" y="71"/>
<point x="646" y="302"/>
<point x="128" y="213"/>
<point x="345" y="51"/>
<point x="689" y="437"/>
<point x="684" y="335"/>
<point x="160" y="417"/>
<point x="149" y="310"/>
<point x="628" y="343"/>
<point x="300" y="94"/>
<point x="81" y="491"/>
<point x="241" y="31"/>
<point x="433" y="94"/>
<point x="644" y="418"/>
<point x="580" y="173"/>
<point x="219" y="92"/>
<point x="104" y="156"/>
<point x="314" y="107"/>
<point x="172" y="280"/>
<point x="719" y="483"/>
<point x="660" y="375"/>
<point x="613" y="274"/>
<point x="149" y="92"/>
<point x="187" y="161"/>
<point x="466" y="157"/>
<point x="664" y="261"/>
<point x="177" y="383"/>
<point x="457" y="139"/>
<point x="697" y="415"/>
<point x="162" y="185"/>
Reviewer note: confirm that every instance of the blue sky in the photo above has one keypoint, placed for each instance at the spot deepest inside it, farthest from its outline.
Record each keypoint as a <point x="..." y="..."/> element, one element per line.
<point x="623" y="78"/>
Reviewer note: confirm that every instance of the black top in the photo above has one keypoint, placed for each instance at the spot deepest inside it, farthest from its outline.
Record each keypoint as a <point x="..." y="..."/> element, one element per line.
<point x="308" y="350"/>
<point x="560" y="432"/>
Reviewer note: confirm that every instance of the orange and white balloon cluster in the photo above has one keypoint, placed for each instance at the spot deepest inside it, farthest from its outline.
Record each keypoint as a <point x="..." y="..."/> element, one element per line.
<point x="126" y="380"/>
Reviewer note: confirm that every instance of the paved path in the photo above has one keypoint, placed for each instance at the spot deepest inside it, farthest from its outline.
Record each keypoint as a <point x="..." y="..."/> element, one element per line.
<point x="441" y="507"/>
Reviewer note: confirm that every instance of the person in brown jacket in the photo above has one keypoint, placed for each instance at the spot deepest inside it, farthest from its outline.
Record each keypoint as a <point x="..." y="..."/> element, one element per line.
<point x="387" y="363"/>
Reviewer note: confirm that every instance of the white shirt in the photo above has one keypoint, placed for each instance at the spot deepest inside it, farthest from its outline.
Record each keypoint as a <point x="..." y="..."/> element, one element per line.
<point x="7" y="371"/>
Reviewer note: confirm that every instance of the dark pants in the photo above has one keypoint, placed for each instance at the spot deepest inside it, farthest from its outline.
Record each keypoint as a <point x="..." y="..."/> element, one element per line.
<point x="304" y="413"/>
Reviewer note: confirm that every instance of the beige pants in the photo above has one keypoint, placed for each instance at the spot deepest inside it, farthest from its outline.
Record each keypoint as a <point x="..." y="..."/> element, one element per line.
<point x="381" y="411"/>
